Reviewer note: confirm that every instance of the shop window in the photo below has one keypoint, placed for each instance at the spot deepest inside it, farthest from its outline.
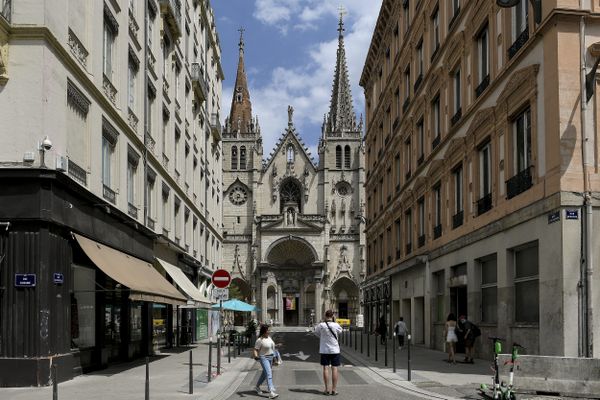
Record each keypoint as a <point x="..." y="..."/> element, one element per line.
<point x="527" y="298"/>
<point x="83" y="307"/>
<point x="489" y="289"/>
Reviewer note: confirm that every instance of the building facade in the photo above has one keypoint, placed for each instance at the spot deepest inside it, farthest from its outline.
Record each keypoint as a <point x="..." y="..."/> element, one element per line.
<point x="293" y="230"/>
<point x="482" y="171"/>
<point x="110" y="164"/>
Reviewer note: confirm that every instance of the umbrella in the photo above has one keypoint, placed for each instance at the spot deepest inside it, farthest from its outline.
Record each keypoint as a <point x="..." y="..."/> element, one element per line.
<point x="236" y="305"/>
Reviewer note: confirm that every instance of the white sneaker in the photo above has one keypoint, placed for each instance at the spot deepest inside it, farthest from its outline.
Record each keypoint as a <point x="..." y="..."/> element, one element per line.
<point x="273" y="395"/>
<point x="258" y="390"/>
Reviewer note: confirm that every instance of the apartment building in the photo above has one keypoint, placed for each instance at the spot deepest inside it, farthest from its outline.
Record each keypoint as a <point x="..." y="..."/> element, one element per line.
<point x="481" y="191"/>
<point x="111" y="177"/>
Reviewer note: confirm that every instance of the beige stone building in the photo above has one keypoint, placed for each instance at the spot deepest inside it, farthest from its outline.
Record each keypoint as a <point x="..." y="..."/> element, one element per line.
<point x="293" y="229"/>
<point x="109" y="132"/>
<point x="478" y="168"/>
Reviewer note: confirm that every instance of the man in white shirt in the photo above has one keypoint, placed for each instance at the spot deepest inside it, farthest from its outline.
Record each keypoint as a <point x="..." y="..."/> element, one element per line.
<point x="328" y="332"/>
<point x="400" y="330"/>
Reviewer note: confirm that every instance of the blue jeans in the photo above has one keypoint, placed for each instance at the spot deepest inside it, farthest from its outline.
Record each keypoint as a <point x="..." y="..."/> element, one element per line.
<point x="267" y="373"/>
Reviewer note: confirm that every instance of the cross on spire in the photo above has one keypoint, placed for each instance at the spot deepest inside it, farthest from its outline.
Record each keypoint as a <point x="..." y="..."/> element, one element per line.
<point x="342" y="12"/>
<point x="241" y="31"/>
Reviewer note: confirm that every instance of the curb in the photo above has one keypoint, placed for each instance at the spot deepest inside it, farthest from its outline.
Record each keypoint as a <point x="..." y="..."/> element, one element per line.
<point x="228" y="384"/>
<point x="395" y="383"/>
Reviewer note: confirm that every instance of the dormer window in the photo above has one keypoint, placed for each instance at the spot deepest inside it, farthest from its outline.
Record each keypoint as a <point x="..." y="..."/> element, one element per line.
<point x="290" y="154"/>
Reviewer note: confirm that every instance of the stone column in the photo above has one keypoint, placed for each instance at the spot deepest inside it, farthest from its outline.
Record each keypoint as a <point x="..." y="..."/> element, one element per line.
<point x="279" y="305"/>
<point x="318" y="301"/>
<point x="263" y="300"/>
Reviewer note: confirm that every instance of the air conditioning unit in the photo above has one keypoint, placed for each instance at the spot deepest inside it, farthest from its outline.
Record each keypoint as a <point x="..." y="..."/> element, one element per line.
<point x="62" y="163"/>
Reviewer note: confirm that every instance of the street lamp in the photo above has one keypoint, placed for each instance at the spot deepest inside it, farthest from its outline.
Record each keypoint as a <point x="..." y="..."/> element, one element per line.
<point x="536" y="4"/>
<point x="590" y="77"/>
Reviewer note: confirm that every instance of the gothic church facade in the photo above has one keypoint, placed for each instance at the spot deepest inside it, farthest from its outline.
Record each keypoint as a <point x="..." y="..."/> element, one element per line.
<point x="293" y="229"/>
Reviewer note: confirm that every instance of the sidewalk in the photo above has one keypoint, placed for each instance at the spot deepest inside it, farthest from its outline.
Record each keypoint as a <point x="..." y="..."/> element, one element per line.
<point x="169" y="378"/>
<point x="431" y="376"/>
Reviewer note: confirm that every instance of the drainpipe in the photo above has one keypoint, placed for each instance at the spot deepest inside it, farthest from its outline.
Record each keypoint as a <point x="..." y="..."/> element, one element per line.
<point x="145" y="133"/>
<point x="587" y="219"/>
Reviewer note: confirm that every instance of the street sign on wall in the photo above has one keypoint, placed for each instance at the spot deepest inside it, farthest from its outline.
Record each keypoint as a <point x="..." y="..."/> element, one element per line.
<point x="221" y="278"/>
<point x="25" y="280"/>
<point x="218" y="294"/>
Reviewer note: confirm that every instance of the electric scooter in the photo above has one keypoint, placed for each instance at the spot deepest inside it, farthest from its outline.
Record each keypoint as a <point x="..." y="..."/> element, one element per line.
<point x="500" y="390"/>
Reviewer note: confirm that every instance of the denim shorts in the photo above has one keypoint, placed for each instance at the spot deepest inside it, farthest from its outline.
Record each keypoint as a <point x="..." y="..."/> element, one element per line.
<point x="330" y="359"/>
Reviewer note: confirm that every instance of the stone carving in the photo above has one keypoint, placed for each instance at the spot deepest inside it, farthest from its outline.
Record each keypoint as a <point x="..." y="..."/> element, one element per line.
<point x="109" y="90"/>
<point x="77" y="49"/>
<point x="290" y="115"/>
<point x="291" y="217"/>
<point x="236" y="262"/>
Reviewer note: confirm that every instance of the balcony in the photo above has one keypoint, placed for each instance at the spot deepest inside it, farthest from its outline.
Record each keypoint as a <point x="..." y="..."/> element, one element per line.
<point x="171" y="11"/>
<point x="521" y="40"/>
<point x="456" y="117"/>
<point x="484" y="204"/>
<point x="437" y="231"/>
<point x="132" y="210"/>
<point x="422" y="240"/>
<point x="418" y="82"/>
<point x="519" y="183"/>
<point x="215" y="126"/>
<point x="151" y="223"/>
<point x="457" y="219"/>
<point x="109" y="194"/>
<point x="406" y="104"/>
<point x="436" y="142"/>
<point x="482" y="86"/>
<point x="397" y="254"/>
<point x="5" y="8"/>
<point x="408" y="248"/>
<point x="198" y="82"/>
<point x="77" y="173"/>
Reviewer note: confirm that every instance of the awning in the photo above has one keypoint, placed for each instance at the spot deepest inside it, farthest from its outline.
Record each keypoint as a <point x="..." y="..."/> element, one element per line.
<point x="183" y="282"/>
<point x="144" y="281"/>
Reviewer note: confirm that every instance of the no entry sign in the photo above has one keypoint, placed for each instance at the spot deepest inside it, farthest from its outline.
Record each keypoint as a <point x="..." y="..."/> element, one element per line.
<point x="221" y="278"/>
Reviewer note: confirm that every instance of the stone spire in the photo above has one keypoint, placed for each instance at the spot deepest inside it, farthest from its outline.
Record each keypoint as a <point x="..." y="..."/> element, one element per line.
<point x="341" y="118"/>
<point x="240" y="117"/>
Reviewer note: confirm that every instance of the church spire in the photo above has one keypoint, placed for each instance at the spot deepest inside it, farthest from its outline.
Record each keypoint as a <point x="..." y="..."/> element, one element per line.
<point x="240" y="117"/>
<point x="341" y="117"/>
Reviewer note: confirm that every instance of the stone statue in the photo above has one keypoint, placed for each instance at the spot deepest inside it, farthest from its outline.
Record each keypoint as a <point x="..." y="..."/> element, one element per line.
<point x="290" y="114"/>
<point x="291" y="216"/>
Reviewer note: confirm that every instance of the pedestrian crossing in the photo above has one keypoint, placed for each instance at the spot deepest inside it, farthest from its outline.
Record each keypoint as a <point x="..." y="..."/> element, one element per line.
<point x="306" y="377"/>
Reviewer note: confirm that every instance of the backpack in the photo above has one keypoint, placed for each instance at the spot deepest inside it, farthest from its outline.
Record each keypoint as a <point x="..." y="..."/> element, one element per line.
<point x="476" y="331"/>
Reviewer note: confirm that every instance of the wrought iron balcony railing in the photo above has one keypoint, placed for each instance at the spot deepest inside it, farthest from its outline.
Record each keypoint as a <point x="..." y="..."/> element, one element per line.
<point x="422" y="240"/>
<point x="436" y="141"/>
<point x="406" y="104"/>
<point x="132" y="210"/>
<point x="109" y="194"/>
<point x="215" y="126"/>
<point x="484" y="204"/>
<point x="482" y="86"/>
<point x="418" y="82"/>
<point x="457" y="219"/>
<point x="521" y="40"/>
<point x="519" y="183"/>
<point x="198" y="82"/>
<point x="437" y="231"/>
<point x="77" y="173"/>
<point x="456" y="117"/>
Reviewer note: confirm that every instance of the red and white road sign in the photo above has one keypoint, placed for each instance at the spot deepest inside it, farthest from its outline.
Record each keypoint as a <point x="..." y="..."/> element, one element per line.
<point x="221" y="278"/>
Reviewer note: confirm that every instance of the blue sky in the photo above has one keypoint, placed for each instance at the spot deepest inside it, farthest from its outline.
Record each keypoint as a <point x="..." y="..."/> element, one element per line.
<point x="290" y="58"/>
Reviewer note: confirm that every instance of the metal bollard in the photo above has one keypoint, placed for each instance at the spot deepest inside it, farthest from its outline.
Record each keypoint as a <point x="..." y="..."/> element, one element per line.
<point x="54" y="383"/>
<point x="386" y="351"/>
<point x="361" y="342"/>
<point x="219" y="354"/>
<point x="376" y="342"/>
<point x="368" y="344"/>
<point x="229" y="349"/>
<point x="355" y="343"/>
<point x="408" y="355"/>
<point x="147" y="391"/>
<point x="191" y="386"/>
<point x="210" y="359"/>
<point x="394" y="353"/>
<point x="238" y="344"/>
<point x="350" y="337"/>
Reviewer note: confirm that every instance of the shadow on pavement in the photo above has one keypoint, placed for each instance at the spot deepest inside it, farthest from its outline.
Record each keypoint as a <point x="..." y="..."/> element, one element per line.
<point x="248" y="393"/>
<point x="118" y="368"/>
<point x="307" y="391"/>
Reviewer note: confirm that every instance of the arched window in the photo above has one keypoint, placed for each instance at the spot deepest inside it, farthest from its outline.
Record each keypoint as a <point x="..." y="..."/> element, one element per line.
<point x="347" y="157"/>
<point x="338" y="157"/>
<point x="243" y="157"/>
<point x="290" y="154"/>
<point x="234" y="158"/>
<point x="290" y="192"/>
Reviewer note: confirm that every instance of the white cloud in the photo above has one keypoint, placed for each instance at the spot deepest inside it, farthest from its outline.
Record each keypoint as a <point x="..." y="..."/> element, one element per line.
<point x="307" y="87"/>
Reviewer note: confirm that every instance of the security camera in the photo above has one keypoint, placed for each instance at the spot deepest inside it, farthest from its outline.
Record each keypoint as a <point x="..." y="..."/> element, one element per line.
<point x="46" y="144"/>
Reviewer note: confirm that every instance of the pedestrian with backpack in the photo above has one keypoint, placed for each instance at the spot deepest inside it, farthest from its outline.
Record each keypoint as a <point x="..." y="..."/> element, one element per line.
<point x="328" y="332"/>
<point x="470" y="332"/>
<point x="400" y="330"/>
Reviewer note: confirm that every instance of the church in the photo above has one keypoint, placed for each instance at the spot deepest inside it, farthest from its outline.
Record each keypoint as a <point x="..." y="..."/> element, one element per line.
<point x="294" y="237"/>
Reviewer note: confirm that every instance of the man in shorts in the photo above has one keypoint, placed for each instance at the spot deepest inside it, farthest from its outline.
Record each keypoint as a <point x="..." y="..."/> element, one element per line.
<point x="328" y="332"/>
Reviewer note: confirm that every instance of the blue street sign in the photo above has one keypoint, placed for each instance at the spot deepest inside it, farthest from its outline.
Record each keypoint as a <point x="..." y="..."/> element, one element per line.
<point x="572" y="214"/>
<point x="25" y="280"/>
<point x="58" y="278"/>
<point x="554" y="217"/>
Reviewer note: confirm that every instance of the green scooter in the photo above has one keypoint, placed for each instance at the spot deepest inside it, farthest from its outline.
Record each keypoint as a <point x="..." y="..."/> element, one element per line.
<point x="501" y="390"/>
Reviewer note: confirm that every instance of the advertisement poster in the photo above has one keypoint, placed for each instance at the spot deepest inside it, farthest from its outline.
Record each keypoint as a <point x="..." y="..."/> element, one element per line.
<point x="201" y="324"/>
<point x="290" y="303"/>
<point x="214" y="322"/>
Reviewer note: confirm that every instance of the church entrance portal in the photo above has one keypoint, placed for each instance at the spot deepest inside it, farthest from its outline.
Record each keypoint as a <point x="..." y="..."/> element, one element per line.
<point x="290" y="309"/>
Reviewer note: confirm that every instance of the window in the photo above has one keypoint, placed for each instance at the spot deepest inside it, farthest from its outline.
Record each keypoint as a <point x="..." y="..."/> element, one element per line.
<point x="406" y="85"/>
<point x="234" y="157"/>
<point x="389" y="244"/>
<point x="177" y="74"/>
<point x="338" y="157"/>
<point x="108" y="47"/>
<point x="440" y="287"/>
<point x="290" y="154"/>
<point x="397" y="102"/>
<point x="131" y="78"/>
<point x="406" y="15"/>
<point x="176" y="228"/>
<point x="408" y="230"/>
<point x="485" y="161"/>
<point x="84" y="292"/>
<point x="150" y="181"/>
<point x="420" y="60"/>
<point x="165" y="209"/>
<point x="421" y="205"/>
<point x="455" y="7"/>
<point x="347" y="155"/>
<point x="408" y="158"/>
<point x="398" y="170"/>
<point x="243" y="157"/>
<point x="398" y="228"/>
<point x="489" y="289"/>
<point x="132" y="164"/>
<point x="166" y="61"/>
<point x="457" y="219"/>
<point x="527" y="285"/>
<point x="164" y="131"/>
<point x="185" y="164"/>
<point x="108" y="149"/>
<point x="437" y="198"/>
<point x="421" y="141"/>
<point x="520" y="14"/>
<point x="522" y="141"/>
<point x="457" y="94"/>
<point x="435" y="31"/>
<point x="176" y="150"/>
<point x="435" y="106"/>
<point x="483" y="55"/>
<point x="150" y="29"/>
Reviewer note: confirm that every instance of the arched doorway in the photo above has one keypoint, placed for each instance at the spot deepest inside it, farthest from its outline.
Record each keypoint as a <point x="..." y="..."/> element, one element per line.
<point x="345" y="299"/>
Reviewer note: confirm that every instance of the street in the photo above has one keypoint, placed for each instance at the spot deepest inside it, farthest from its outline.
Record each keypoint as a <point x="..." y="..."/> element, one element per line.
<point x="300" y="375"/>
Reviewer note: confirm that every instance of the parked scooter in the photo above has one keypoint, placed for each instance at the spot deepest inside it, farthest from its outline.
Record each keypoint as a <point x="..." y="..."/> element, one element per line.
<point x="501" y="390"/>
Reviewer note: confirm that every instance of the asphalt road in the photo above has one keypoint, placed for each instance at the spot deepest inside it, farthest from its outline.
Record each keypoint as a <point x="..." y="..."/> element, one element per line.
<point x="300" y="376"/>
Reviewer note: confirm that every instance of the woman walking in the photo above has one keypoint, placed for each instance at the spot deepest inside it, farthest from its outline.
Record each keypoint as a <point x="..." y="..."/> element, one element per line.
<point x="451" y="338"/>
<point x="264" y="351"/>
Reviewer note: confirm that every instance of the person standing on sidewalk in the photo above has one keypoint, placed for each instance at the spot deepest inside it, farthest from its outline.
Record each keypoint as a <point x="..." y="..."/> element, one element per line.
<point x="329" y="348"/>
<point x="451" y="338"/>
<point x="264" y="351"/>
<point x="468" y="330"/>
<point x="382" y="329"/>
<point x="400" y="330"/>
